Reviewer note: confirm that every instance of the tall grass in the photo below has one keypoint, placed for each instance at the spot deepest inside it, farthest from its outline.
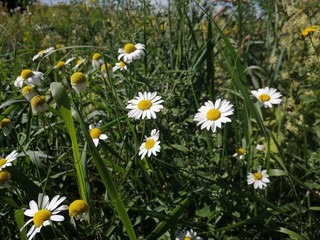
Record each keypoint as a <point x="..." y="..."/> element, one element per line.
<point x="195" y="52"/>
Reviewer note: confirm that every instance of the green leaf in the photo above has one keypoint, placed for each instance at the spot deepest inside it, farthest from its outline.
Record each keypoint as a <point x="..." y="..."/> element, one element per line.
<point x="277" y="172"/>
<point x="19" y="218"/>
<point x="291" y="234"/>
<point x="180" y="147"/>
<point x="171" y="219"/>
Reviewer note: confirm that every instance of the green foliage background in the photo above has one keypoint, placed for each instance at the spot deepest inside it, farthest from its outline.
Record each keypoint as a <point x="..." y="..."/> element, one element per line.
<point x="194" y="52"/>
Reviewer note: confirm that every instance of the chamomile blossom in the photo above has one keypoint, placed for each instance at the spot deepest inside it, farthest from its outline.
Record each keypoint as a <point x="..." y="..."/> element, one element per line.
<point x="212" y="115"/>
<point x="151" y="145"/>
<point x="5" y="125"/>
<point x="120" y="65"/>
<point x="7" y="161"/>
<point x="131" y="52"/>
<point x="267" y="96"/>
<point x="43" y="52"/>
<point x="259" y="179"/>
<point x="79" y="62"/>
<point x="4" y="179"/>
<point x="38" y="104"/>
<point x="187" y="235"/>
<point x="43" y="213"/>
<point x="28" y="92"/>
<point x="97" y="60"/>
<point x="79" y="210"/>
<point x="107" y="70"/>
<point x="96" y="133"/>
<point x="62" y="64"/>
<point x="145" y="106"/>
<point x="78" y="82"/>
<point x="240" y="152"/>
<point x="28" y="77"/>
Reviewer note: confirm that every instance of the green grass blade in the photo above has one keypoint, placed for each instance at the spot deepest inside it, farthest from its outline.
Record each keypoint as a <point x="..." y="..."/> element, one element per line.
<point x="171" y="219"/>
<point x="61" y="97"/>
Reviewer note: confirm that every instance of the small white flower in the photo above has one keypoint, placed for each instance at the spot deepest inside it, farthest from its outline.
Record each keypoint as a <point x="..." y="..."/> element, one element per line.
<point x="29" y="77"/>
<point x="7" y="161"/>
<point x="258" y="179"/>
<point x="131" y="52"/>
<point x="120" y="65"/>
<point x="43" y="213"/>
<point x="4" y="179"/>
<point x="43" y="52"/>
<point x="5" y="125"/>
<point x="240" y="153"/>
<point x="188" y="235"/>
<point x="96" y="134"/>
<point x="78" y="82"/>
<point x="145" y="106"/>
<point x="79" y="62"/>
<point x="213" y="115"/>
<point x="97" y="60"/>
<point x="267" y="96"/>
<point x="260" y="147"/>
<point x="62" y="64"/>
<point x="151" y="145"/>
<point x="38" y="104"/>
<point x="79" y="210"/>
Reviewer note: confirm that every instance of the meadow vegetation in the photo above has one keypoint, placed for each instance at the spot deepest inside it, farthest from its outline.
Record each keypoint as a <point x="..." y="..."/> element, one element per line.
<point x="249" y="170"/>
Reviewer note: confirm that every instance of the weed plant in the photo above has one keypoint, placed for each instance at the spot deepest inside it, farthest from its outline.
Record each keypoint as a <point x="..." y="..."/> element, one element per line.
<point x="195" y="179"/>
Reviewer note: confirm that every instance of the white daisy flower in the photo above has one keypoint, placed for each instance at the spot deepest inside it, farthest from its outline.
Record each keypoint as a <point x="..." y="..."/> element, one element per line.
<point x="29" y="77"/>
<point x="131" y="52"/>
<point x="43" y="52"/>
<point x="120" y="65"/>
<point x="4" y="179"/>
<point x="5" y="125"/>
<point x="79" y="210"/>
<point x="96" y="134"/>
<point x="145" y="106"/>
<point x="151" y="145"/>
<point x="188" y="235"/>
<point x="79" y="62"/>
<point x="107" y="70"/>
<point x="28" y="92"/>
<point x="78" y="82"/>
<point x="38" y="104"/>
<point x="258" y="179"/>
<point x="62" y="64"/>
<point x="267" y="96"/>
<point x="240" y="153"/>
<point x="43" y="213"/>
<point x="6" y="162"/>
<point x="213" y="115"/>
<point x="97" y="60"/>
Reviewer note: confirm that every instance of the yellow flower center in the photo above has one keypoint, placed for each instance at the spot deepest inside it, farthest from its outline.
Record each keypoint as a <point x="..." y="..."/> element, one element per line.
<point x="26" y="89"/>
<point x="77" y="207"/>
<point x="213" y="114"/>
<point x="41" y="216"/>
<point x="109" y="66"/>
<point x="129" y="48"/>
<point x="60" y="64"/>
<point x="257" y="176"/>
<point x="78" y="77"/>
<point x="144" y="104"/>
<point x="305" y="32"/>
<point x="264" y="97"/>
<point x="2" y="162"/>
<point x="79" y="61"/>
<point x="37" y="101"/>
<point x="96" y="56"/>
<point x="4" y="176"/>
<point x="4" y="122"/>
<point x="187" y="238"/>
<point x="95" y="133"/>
<point x="149" y="143"/>
<point x="241" y="151"/>
<point x="122" y="64"/>
<point x="103" y="68"/>
<point x="25" y="74"/>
